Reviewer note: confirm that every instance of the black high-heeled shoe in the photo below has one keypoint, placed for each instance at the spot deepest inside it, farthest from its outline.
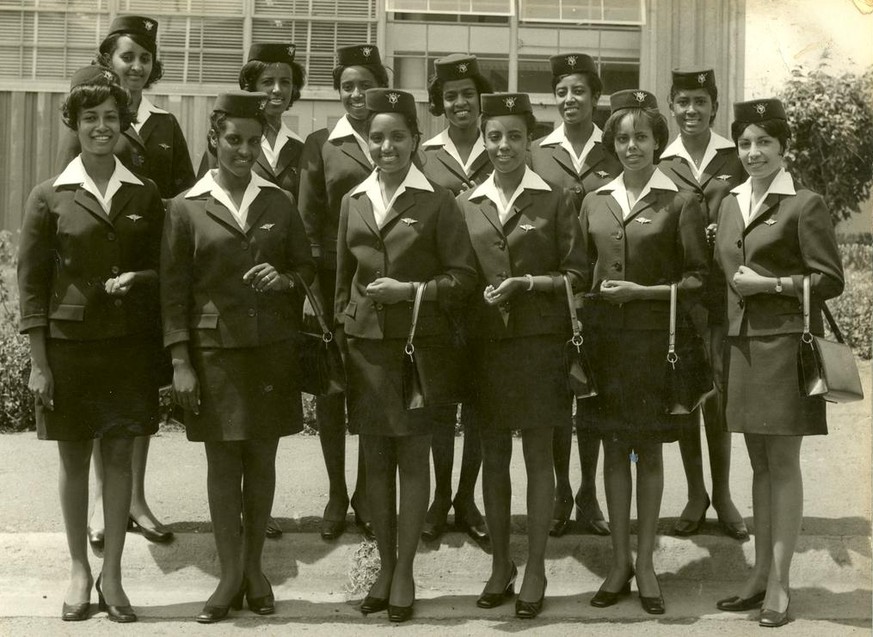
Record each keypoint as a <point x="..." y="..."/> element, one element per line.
<point x="96" y="538"/>
<point x="434" y="522"/>
<point x="120" y="614"/>
<point x="273" y="530"/>
<point x="373" y="605"/>
<point x="739" y="604"/>
<point x="263" y="605"/>
<point x="152" y="534"/>
<point x="493" y="600"/>
<point x="653" y="605"/>
<point x="529" y="610"/>
<point x="774" y="618"/>
<point x="605" y="599"/>
<point x="333" y="529"/>
<point x="76" y="612"/>
<point x="399" y="614"/>
<point x="470" y="522"/>
<point x="685" y="527"/>
<point x="212" y="613"/>
<point x="365" y="527"/>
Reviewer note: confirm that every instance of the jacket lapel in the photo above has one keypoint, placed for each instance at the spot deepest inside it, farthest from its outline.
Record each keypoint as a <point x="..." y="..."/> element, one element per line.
<point x="285" y="157"/>
<point x="712" y="168"/>
<point x="681" y="169"/>
<point x="264" y="163"/>
<point x="89" y="203"/>
<point x="642" y="204"/>
<point x="403" y="203"/>
<point x="489" y="211"/>
<point x="350" y="147"/>
<point x="563" y="158"/>
<point x="592" y="159"/>
<point x="256" y="211"/>
<point x="134" y="137"/>
<point x="451" y="164"/>
<point x="765" y="212"/>
<point x="219" y="212"/>
<point x="364" y="207"/>
<point x="613" y="207"/>
<point x="120" y="200"/>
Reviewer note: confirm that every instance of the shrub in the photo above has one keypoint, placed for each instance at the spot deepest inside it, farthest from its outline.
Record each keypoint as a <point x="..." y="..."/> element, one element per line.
<point x="853" y="311"/>
<point x="831" y="151"/>
<point x="15" y="399"/>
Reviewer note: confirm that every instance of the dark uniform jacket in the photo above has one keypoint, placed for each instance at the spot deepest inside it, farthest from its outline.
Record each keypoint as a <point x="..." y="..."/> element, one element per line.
<point x="204" y="256"/>
<point x="68" y="249"/>
<point x="792" y="235"/>
<point x="542" y="237"/>
<point x="158" y="151"/>
<point x="723" y="172"/>
<point x="424" y="240"/>
<point x="329" y="168"/>
<point x="660" y="243"/>
<point x="285" y="175"/>
<point x="552" y="162"/>
<point x="444" y="170"/>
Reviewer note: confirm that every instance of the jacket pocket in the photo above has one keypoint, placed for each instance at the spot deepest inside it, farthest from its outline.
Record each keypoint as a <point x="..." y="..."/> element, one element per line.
<point x="67" y="312"/>
<point x="351" y="309"/>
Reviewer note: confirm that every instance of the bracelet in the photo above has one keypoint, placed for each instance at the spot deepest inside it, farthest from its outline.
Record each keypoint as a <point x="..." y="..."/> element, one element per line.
<point x="530" y="281"/>
<point x="778" y="285"/>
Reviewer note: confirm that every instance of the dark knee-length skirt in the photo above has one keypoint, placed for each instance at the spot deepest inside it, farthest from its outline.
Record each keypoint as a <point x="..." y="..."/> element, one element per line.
<point x="246" y="393"/>
<point x="102" y="388"/>
<point x="629" y="370"/>
<point x="521" y="383"/>
<point x="374" y="391"/>
<point x="762" y="391"/>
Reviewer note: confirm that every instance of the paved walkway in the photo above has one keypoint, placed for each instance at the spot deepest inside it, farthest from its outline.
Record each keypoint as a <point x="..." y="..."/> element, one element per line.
<point x="831" y="576"/>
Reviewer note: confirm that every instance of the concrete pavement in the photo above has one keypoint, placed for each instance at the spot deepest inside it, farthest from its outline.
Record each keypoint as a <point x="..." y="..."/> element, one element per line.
<point x="831" y="574"/>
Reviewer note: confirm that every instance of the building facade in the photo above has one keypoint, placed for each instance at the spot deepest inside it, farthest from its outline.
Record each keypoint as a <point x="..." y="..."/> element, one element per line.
<point x="202" y="44"/>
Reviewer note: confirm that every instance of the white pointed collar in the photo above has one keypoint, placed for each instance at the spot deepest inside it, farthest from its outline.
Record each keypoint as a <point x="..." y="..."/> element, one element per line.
<point x="618" y="190"/>
<point x="558" y="135"/>
<point x="207" y="184"/>
<point x="782" y="184"/>
<point x="146" y="108"/>
<point x="75" y="174"/>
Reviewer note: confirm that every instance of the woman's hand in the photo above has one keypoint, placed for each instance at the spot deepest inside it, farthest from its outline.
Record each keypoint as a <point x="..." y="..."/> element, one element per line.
<point x="505" y="291"/>
<point x="618" y="292"/>
<point x="42" y="384"/>
<point x="120" y="285"/>
<point x="186" y="387"/>
<point x="389" y="291"/>
<point x="748" y="282"/>
<point x="265" y="278"/>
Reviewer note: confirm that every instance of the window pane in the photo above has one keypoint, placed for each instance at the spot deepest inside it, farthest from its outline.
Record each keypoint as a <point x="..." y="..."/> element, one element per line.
<point x="583" y="10"/>
<point x="463" y="7"/>
<point x="618" y="75"/>
<point x="534" y="76"/>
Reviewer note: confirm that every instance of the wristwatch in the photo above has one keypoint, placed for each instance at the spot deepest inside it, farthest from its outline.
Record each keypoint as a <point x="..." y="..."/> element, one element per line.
<point x="778" y="285"/>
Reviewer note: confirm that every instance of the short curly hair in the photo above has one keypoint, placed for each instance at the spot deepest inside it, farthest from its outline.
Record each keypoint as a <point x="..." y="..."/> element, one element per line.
<point x="108" y="46"/>
<point x="435" y="91"/>
<point x="93" y="94"/>
<point x="379" y="71"/>
<point x="251" y="71"/>
<point x="652" y="116"/>
<point x="777" y="128"/>
<point x="218" y="122"/>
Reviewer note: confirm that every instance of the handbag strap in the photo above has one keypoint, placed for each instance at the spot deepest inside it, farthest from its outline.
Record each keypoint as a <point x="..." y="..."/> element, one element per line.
<point x="326" y="334"/>
<point x="416" y="306"/>
<point x="835" y="329"/>
<point x="672" y="356"/>
<point x="575" y="323"/>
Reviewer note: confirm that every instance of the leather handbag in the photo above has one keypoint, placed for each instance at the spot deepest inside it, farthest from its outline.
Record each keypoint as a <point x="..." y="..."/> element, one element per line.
<point x="579" y="373"/>
<point x="321" y="363"/>
<point x="688" y="376"/>
<point x="433" y="373"/>
<point x="826" y="369"/>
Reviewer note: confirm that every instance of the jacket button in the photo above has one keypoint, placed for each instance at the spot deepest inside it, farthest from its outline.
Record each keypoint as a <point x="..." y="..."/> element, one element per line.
<point x="251" y="311"/>
<point x="111" y="236"/>
<point x="379" y="306"/>
<point x="244" y="245"/>
<point x="118" y="302"/>
<point x="501" y="245"/>
<point x="741" y="303"/>
<point x="380" y="246"/>
<point x="739" y="243"/>
<point x="577" y="189"/>
<point x="618" y="235"/>
<point x="114" y="269"/>
<point x="616" y="267"/>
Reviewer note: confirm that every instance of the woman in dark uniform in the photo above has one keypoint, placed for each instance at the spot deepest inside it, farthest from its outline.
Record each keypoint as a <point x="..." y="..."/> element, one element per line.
<point x="573" y="157"/>
<point x="397" y="231"/>
<point x="333" y="162"/>
<point x="233" y="249"/>
<point x="87" y="276"/>
<point x="152" y="146"/>
<point x="705" y="163"/>
<point x="527" y="238"/>
<point x="456" y="159"/>
<point x="642" y="235"/>
<point x="770" y="236"/>
<point x="271" y="69"/>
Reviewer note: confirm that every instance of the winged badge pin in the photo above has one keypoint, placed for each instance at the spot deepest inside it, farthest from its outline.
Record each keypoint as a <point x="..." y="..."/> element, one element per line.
<point x="643" y="220"/>
<point x="526" y="227"/>
<point x="723" y="177"/>
<point x="602" y="174"/>
<point x="164" y="146"/>
<point x="409" y="221"/>
<point x="267" y="226"/>
<point x="134" y="217"/>
<point x="770" y="222"/>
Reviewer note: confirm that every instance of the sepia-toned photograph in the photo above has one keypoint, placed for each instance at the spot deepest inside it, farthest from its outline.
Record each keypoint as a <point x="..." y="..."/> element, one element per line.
<point x="536" y="317"/>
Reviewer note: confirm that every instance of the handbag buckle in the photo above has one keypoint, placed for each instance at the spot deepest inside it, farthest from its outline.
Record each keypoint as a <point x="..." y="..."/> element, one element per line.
<point x="577" y="341"/>
<point x="409" y="349"/>
<point x="806" y="337"/>
<point x="672" y="358"/>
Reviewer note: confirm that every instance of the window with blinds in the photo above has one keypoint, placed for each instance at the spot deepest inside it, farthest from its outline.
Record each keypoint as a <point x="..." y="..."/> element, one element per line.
<point x="625" y="12"/>
<point x="453" y="7"/>
<point x="200" y="41"/>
